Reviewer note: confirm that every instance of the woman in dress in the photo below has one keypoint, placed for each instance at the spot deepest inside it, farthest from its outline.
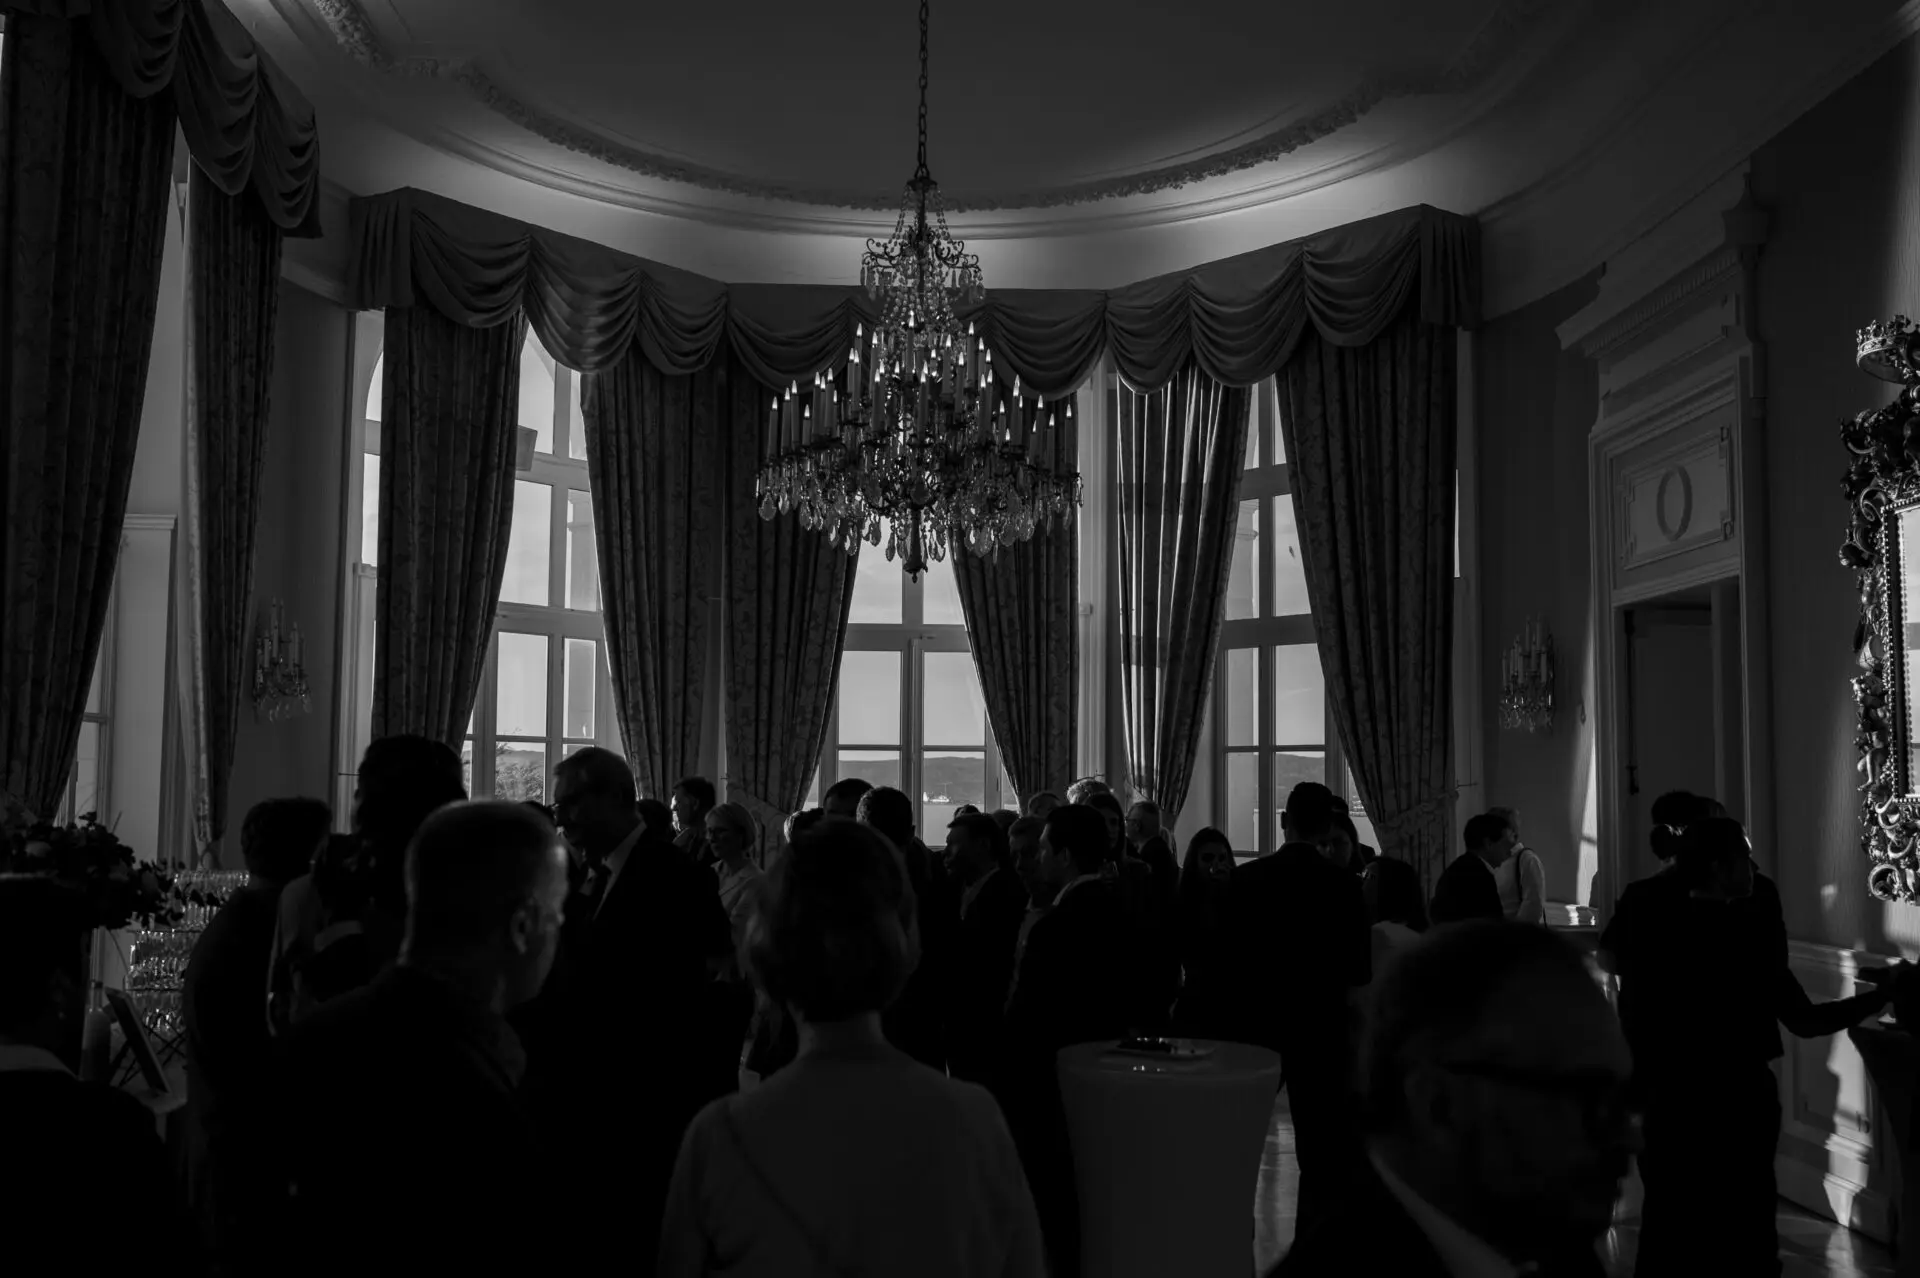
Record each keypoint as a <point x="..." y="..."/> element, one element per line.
<point x="855" y="1159"/>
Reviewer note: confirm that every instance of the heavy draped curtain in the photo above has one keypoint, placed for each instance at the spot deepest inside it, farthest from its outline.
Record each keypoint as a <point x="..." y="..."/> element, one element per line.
<point x="1371" y="452"/>
<point x="654" y="452"/>
<point x="233" y="259"/>
<point x="788" y="593"/>
<point x="1181" y="449"/>
<point x="247" y="125"/>
<point x="1238" y="319"/>
<point x="85" y="175"/>
<point x="1021" y="605"/>
<point x="449" y="406"/>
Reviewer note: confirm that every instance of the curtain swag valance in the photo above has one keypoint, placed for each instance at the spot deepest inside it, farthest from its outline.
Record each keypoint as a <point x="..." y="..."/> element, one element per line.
<point x="1239" y="317"/>
<point x="246" y="124"/>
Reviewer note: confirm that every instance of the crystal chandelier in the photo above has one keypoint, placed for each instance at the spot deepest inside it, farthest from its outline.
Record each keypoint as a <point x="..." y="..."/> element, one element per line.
<point x="916" y="430"/>
<point x="1526" y="681"/>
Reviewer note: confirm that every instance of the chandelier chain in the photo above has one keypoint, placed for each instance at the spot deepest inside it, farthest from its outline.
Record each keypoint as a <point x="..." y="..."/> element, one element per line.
<point x="924" y="7"/>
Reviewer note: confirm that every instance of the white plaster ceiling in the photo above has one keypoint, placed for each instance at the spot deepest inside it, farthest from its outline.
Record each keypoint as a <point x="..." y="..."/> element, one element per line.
<point x="1085" y="144"/>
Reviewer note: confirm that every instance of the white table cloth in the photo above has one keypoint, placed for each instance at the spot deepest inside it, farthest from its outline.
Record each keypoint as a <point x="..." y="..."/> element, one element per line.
<point x="1166" y="1155"/>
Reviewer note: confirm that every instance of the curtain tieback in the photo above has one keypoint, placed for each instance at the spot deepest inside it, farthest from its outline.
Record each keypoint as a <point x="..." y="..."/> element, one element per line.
<point x="1393" y="829"/>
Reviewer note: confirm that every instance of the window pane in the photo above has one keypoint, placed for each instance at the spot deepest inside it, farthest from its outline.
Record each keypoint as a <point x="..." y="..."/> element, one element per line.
<point x="86" y="771"/>
<point x="1289" y="574"/>
<point x="1290" y="768"/>
<point x="376" y="388"/>
<point x="870" y="699"/>
<point x="522" y="709"/>
<point x="876" y="588"/>
<point x="1253" y="438"/>
<point x="370" y="511"/>
<point x="1243" y="696"/>
<point x="1243" y="599"/>
<point x="577" y="423"/>
<point x="949" y="779"/>
<point x="466" y="766"/>
<point x="876" y="767"/>
<point x="520" y="771"/>
<point x="526" y="579"/>
<point x="940" y="596"/>
<point x="1243" y="802"/>
<point x="583" y="682"/>
<point x="96" y="690"/>
<point x="1279" y="441"/>
<point x="536" y="392"/>
<point x="583" y="558"/>
<point x="953" y="712"/>
<point x="1299" y="696"/>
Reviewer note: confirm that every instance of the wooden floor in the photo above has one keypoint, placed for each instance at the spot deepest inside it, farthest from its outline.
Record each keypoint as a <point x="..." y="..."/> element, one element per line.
<point x="1812" y="1247"/>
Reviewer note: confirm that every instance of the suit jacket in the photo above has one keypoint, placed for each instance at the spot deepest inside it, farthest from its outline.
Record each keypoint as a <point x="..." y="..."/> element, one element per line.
<point x="61" y="1135"/>
<point x="1368" y="1233"/>
<point x="1295" y="942"/>
<point x="916" y="1022"/>
<point x="1070" y="988"/>
<point x="400" y="1123"/>
<point x="1466" y="890"/>
<point x="230" y="1060"/>
<point x="980" y="970"/>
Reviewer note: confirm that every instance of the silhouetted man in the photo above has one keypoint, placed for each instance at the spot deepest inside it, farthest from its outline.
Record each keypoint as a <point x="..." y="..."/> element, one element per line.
<point x="693" y="798"/>
<point x="916" y="1022"/>
<point x="992" y="904"/>
<point x="1467" y="888"/>
<point x="407" y="1147"/>
<point x="1295" y="946"/>
<point x="842" y="798"/>
<point x="1498" y="1128"/>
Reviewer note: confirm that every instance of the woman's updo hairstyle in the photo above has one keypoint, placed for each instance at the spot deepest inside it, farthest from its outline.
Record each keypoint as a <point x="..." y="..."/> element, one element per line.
<point x="1707" y="844"/>
<point x="833" y="936"/>
<point x="1672" y="813"/>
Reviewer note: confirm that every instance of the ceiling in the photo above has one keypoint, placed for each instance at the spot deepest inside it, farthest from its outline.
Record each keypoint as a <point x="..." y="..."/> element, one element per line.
<point x="757" y="140"/>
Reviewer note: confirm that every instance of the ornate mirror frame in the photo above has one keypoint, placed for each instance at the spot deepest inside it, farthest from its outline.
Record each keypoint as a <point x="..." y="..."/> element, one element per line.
<point x="1882" y="482"/>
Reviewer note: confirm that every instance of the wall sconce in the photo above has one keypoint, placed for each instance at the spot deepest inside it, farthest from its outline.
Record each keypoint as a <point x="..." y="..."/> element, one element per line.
<point x="279" y="678"/>
<point x="1526" y="680"/>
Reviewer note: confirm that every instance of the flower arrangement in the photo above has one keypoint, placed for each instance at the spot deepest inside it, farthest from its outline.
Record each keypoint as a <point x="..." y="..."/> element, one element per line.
<point x="88" y="857"/>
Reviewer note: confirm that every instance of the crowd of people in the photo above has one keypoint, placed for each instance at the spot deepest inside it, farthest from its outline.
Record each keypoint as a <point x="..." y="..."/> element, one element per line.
<point x="492" y="1037"/>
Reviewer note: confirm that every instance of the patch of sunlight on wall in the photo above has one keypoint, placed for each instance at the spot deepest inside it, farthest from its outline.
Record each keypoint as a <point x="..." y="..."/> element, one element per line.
<point x="1901" y="923"/>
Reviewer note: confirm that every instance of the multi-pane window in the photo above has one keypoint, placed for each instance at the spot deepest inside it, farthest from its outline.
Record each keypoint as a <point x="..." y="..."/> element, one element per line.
<point x="87" y="783"/>
<point x="909" y="711"/>
<point x="1274" y="723"/>
<point x="546" y="691"/>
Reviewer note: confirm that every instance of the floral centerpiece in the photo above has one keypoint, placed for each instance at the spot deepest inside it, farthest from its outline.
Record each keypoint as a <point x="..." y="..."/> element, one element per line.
<point x="87" y="856"/>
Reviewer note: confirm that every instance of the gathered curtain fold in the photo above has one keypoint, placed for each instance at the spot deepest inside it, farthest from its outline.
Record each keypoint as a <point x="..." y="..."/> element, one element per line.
<point x="449" y="406"/>
<point x="1181" y="449"/>
<point x="85" y="184"/>
<point x="1371" y="454"/>
<point x="1021" y="604"/>
<point x="233" y="259"/>
<point x="654" y="452"/>
<point x="1237" y="319"/>
<point x="788" y="593"/>
<point x="247" y="125"/>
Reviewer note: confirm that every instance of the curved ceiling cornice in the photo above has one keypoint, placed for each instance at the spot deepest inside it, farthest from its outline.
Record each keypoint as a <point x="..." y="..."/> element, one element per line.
<point x="1505" y="31"/>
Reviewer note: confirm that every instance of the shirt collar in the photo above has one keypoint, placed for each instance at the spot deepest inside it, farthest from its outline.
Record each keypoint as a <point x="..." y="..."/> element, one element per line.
<point x="972" y="893"/>
<point x="615" y="862"/>
<point x="27" y="1058"/>
<point x="1084" y="878"/>
<point x="1464" y="1254"/>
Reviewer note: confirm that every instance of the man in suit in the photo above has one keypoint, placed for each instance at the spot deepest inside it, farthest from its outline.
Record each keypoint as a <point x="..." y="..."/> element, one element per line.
<point x="229" y="1044"/>
<point x="402" y="1123"/>
<point x="993" y="902"/>
<point x="1498" y="1129"/>
<point x="1467" y="888"/>
<point x="842" y="798"/>
<point x="916" y="1021"/>
<point x="1069" y="989"/>
<point x="1295" y="949"/>
<point x="650" y="1027"/>
<point x="693" y="798"/>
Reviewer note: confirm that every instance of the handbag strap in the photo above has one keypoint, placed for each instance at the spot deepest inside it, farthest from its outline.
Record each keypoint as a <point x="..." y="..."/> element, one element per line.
<point x="822" y="1255"/>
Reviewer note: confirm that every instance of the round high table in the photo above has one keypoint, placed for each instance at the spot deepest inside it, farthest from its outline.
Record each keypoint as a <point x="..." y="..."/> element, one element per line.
<point x="1166" y="1155"/>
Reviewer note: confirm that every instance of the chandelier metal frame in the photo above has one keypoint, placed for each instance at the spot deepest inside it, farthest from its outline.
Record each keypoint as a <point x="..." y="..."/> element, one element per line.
<point x="915" y="429"/>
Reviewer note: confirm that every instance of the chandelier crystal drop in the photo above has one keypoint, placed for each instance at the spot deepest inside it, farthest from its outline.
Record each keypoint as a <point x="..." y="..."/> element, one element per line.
<point x="916" y="430"/>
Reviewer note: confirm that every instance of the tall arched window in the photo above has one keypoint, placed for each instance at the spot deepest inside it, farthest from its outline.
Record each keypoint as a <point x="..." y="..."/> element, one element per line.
<point x="547" y="690"/>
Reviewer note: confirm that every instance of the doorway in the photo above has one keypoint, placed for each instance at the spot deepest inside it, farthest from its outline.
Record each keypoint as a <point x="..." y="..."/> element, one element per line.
<point x="1682" y="708"/>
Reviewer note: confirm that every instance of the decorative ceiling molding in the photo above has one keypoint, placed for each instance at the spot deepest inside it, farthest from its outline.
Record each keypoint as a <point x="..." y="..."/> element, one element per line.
<point x="1493" y="44"/>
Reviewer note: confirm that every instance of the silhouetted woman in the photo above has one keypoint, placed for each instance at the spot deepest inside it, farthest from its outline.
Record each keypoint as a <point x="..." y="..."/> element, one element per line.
<point x="1203" y="886"/>
<point x="1396" y="907"/>
<point x="1701" y="953"/>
